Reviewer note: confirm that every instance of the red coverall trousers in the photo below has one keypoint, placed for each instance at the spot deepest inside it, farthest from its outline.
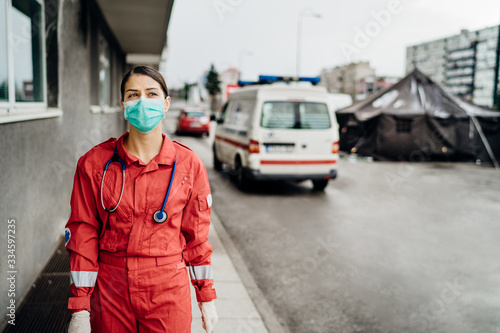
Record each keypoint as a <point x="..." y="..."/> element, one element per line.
<point x="127" y="270"/>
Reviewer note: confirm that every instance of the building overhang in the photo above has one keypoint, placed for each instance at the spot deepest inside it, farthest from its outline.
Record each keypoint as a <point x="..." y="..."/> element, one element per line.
<point x="139" y="26"/>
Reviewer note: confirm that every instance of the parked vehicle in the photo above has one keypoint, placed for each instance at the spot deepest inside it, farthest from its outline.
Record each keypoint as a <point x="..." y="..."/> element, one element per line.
<point x="278" y="131"/>
<point x="194" y="121"/>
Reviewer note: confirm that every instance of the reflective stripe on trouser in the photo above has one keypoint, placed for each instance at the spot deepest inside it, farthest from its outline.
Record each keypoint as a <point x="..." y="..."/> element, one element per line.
<point x="154" y="299"/>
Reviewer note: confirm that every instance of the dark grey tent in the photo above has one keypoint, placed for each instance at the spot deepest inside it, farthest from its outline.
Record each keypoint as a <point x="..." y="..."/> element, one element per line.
<point x="417" y="120"/>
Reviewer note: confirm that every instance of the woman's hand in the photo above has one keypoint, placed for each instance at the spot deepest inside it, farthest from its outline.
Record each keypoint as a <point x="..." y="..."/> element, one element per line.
<point x="208" y="315"/>
<point x="80" y="322"/>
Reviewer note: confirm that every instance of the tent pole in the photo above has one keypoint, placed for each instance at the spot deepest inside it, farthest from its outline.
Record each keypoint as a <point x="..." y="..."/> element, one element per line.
<point x="485" y="142"/>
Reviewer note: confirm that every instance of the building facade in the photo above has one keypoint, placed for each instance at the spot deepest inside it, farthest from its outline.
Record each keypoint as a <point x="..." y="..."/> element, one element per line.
<point x="61" y="64"/>
<point x="466" y="64"/>
<point x="344" y="79"/>
<point x="228" y="82"/>
<point x="373" y="84"/>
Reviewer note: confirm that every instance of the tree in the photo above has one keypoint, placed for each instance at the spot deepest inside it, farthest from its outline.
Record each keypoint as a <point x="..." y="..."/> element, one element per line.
<point x="213" y="86"/>
<point x="186" y="91"/>
<point x="3" y="90"/>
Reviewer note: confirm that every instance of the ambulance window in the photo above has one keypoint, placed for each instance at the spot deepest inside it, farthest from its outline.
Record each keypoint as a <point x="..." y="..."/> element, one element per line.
<point x="223" y="114"/>
<point x="229" y="113"/>
<point x="238" y="114"/>
<point x="314" y="116"/>
<point x="295" y="115"/>
<point x="278" y="115"/>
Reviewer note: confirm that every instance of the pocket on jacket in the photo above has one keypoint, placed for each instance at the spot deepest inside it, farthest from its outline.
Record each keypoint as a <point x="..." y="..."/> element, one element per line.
<point x="204" y="204"/>
<point x="109" y="239"/>
<point x="204" y="201"/>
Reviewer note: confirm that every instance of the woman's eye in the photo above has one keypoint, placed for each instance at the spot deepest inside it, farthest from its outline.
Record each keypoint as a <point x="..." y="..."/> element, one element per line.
<point x="132" y="95"/>
<point x="153" y="94"/>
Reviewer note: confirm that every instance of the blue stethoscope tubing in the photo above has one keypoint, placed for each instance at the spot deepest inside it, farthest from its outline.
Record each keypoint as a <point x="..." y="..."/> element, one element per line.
<point x="114" y="158"/>
<point x="160" y="215"/>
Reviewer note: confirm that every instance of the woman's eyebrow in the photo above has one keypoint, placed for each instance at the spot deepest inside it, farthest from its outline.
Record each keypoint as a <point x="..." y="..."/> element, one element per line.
<point x="138" y="90"/>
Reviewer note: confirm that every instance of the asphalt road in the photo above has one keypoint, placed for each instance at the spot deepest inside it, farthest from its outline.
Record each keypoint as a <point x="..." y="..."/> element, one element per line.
<point x="388" y="247"/>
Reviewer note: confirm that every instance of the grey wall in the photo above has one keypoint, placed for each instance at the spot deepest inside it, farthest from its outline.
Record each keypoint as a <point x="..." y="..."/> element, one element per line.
<point x="39" y="156"/>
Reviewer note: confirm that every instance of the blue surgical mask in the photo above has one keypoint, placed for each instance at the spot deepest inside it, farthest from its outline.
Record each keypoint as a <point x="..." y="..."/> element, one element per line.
<point x="145" y="113"/>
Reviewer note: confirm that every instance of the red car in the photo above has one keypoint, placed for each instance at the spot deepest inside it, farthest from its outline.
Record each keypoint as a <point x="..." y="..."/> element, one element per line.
<point x="193" y="120"/>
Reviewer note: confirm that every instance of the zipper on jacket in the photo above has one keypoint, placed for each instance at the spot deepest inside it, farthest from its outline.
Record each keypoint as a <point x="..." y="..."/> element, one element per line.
<point x="176" y="189"/>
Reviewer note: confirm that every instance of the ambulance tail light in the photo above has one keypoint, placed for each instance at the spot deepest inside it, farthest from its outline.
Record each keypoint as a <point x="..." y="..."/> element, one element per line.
<point x="254" y="147"/>
<point x="335" y="147"/>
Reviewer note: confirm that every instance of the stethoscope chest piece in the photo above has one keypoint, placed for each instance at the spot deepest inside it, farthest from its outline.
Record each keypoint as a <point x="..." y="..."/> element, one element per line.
<point x="160" y="216"/>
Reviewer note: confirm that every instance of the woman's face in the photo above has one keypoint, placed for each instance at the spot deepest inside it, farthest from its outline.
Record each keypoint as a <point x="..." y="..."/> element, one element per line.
<point x="139" y="85"/>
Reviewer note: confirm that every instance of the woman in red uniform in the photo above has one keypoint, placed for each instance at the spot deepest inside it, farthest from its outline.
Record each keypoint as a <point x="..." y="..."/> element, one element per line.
<point x="140" y="212"/>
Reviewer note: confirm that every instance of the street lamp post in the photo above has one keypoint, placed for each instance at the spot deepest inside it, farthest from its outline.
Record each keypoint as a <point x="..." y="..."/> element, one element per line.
<point x="303" y="12"/>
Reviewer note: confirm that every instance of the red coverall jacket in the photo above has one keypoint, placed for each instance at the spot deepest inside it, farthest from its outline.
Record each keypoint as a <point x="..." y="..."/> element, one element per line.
<point x="130" y="231"/>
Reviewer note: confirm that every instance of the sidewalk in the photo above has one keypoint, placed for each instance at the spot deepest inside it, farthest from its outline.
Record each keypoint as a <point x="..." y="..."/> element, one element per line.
<point x="44" y="308"/>
<point x="235" y="309"/>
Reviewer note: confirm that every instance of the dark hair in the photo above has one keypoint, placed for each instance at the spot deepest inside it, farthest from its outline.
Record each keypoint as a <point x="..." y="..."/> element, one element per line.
<point x="144" y="70"/>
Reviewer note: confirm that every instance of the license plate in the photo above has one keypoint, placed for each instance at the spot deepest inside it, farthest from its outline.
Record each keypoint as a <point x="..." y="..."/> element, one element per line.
<point x="279" y="149"/>
<point x="194" y="124"/>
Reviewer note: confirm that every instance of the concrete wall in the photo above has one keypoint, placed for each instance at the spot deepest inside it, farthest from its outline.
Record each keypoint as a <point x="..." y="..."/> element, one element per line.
<point x="39" y="156"/>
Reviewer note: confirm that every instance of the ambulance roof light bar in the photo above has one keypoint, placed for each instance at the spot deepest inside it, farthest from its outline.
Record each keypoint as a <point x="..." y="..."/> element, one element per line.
<point x="246" y="83"/>
<point x="268" y="79"/>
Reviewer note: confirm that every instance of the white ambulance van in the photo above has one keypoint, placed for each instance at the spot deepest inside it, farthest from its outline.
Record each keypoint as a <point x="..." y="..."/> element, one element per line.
<point x="278" y="131"/>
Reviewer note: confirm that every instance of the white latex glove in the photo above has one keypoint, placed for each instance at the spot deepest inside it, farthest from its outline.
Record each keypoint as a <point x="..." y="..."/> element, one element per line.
<point x="80" y="322"/>
<point x="208" y="315"/>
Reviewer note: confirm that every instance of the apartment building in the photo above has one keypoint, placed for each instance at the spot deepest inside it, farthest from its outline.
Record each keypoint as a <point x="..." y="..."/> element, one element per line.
<point x="466" y="64"/>
<point x="344" y="79"/>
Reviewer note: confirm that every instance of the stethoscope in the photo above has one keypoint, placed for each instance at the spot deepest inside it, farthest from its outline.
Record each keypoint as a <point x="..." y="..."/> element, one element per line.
<point x="160" y="215"/>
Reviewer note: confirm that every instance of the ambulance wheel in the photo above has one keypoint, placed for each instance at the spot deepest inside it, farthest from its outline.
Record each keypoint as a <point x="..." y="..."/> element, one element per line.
<point x="319" y="185"/>
<point x="239" y="176"/>
<point x="217" y="162"/>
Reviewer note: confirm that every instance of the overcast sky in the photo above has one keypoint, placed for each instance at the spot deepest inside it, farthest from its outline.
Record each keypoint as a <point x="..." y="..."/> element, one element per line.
<point x="260" y="36"/>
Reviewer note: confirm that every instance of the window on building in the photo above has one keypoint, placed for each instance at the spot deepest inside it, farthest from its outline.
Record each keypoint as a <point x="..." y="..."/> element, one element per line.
<point x="104" y="72"/>
<point x="22" y="62"/>
<point x="27" y="50"/>
<point x="403" y="125"/>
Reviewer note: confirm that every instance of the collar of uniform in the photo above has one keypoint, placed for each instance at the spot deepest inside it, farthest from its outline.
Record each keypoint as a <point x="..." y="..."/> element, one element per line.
<point x="167" y="152"/>
<point x="165" y="157"/>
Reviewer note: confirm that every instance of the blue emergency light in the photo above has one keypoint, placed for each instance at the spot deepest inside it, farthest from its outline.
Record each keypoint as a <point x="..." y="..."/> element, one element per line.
<point x="270" y="78"/>
<point x="267" y="79"/>
<point x="246" y="83"/>
<point x="274" y="78"/>
<point x="314" y="80"/>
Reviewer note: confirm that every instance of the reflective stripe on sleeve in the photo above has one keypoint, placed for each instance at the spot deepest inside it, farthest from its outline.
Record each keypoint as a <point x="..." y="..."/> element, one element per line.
<point x="83" y="279"/>
<point x="201" y="272"/>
